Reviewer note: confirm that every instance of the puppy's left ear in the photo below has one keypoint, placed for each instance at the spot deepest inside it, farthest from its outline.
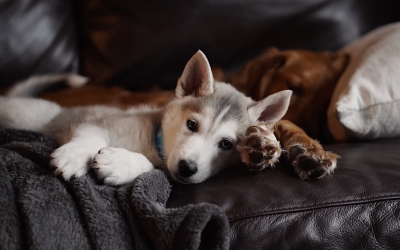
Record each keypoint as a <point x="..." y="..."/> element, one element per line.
<point x="197" y="78"/>
<point x="272" y="108"/>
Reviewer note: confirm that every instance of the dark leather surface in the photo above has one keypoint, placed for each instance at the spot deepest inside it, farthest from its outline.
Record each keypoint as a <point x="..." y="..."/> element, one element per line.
<point x="141" y="43"/>
<point x="370" y="225"/>
<point x="36" y="37"/>
<point x="357" y="207"/>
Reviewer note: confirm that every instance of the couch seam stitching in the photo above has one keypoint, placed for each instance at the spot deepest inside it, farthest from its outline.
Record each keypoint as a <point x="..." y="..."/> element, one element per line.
<point x="243" y="216"/>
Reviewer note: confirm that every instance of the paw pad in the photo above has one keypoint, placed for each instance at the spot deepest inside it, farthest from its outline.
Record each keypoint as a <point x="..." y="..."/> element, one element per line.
<point x="316" y="174"/>
<point x="311" y="161"/>
<point x="295" y="151"/>
<point x="259" y="148"/>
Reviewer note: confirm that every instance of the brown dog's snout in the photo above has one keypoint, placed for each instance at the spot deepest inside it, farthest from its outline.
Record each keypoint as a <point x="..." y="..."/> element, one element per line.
<point x="187" y="168"/>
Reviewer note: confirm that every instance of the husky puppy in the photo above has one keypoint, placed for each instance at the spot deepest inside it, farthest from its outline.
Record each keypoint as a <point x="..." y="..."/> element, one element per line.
<point x="192" y="138"/>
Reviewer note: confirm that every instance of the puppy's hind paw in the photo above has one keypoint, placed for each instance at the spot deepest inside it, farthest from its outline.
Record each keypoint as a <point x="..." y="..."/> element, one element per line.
<point x="259" y="148"/>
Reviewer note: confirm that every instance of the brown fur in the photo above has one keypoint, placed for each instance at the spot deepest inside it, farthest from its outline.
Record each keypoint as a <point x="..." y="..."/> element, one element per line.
<point x="112" y="96"/>
<point x="259" y="150"/>
<point x="312" y="77"/>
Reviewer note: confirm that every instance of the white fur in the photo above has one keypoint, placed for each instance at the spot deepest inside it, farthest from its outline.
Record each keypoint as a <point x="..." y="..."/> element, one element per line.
<point x="73" y="158"/>
<point x="117" y="166"/>
<point x="201" y="147"/>
<point x="28" y="87"/>
<point x="32" y="114"/>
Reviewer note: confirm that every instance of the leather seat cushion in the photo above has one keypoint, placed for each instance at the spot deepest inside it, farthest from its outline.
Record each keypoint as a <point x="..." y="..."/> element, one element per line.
<point x="274" y="209"/>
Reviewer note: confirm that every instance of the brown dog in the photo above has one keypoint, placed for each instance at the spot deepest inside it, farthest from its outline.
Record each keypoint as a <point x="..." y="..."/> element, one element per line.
<point x="312" y="77"/>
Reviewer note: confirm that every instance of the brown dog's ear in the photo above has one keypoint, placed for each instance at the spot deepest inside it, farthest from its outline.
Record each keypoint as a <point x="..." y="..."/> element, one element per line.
<point x="254" y="78"/>
<point x="339" y="61"/>
<point x="271" y="69"/>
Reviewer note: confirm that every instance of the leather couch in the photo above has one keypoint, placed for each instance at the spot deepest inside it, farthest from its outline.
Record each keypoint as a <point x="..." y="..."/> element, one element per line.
<point x="142" y="44"/>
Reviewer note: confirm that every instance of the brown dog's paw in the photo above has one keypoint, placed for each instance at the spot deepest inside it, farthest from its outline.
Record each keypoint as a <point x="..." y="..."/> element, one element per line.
<point x="311" y="161"/>
<point x="259" y="148"/>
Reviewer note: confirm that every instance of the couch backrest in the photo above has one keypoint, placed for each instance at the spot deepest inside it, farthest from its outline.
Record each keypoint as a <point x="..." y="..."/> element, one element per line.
<point x="141" y="43"/>
<point x="36" y="37"/>
<point x="137" y="44"/>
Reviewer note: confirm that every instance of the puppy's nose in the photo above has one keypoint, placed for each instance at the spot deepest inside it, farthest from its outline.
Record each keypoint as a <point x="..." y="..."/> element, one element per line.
<point x="187" y="168"/>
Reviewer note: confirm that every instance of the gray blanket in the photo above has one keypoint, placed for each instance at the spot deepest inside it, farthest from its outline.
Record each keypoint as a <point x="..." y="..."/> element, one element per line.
<point x="40" y="211"/>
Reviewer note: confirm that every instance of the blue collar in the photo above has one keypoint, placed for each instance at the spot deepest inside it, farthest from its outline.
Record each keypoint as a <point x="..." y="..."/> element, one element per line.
<point x="160" y="143"/>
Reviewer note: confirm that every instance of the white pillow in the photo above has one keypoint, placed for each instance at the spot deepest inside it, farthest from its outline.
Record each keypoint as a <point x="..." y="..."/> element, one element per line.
<point x="366" y="101"/>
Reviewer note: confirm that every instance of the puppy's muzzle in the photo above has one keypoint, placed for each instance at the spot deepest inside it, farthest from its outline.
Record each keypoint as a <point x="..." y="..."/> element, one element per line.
<point x="187" y="168"/>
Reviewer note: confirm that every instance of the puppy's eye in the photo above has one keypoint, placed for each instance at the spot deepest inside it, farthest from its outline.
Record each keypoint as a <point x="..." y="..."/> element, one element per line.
<point x="191" y="125"/>
<point x="225" y="144"/>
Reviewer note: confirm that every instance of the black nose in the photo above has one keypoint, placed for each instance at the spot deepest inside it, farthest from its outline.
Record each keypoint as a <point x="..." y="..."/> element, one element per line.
<point x="187" y="168"/>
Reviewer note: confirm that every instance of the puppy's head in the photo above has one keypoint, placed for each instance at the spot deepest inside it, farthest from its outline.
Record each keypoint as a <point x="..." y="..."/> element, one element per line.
<point x="203" y="125"/>
<point x="311" y="76"/>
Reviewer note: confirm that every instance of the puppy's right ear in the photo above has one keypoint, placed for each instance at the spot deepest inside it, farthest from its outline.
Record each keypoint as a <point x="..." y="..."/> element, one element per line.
<point x="197" y="78"/>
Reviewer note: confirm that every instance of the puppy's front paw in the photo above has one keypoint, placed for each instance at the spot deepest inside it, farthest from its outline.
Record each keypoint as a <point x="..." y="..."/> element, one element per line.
<point x="70" y="160"/>
<point x="259" y="148"/>
<point x="117" y="166"/>
<point x="310" y="161"/>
